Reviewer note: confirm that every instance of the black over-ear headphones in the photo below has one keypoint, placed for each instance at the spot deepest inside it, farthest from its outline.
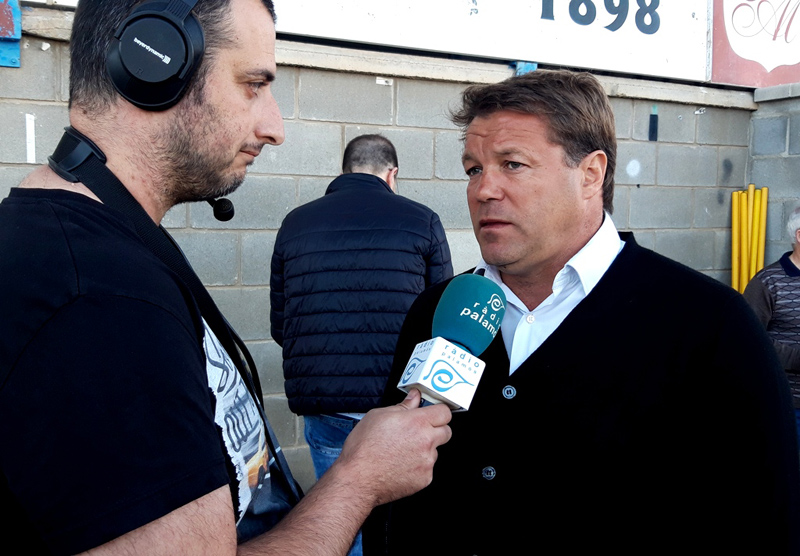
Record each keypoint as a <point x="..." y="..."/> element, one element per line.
<point x="154" y="53"/>
<point x="152" y="58"/>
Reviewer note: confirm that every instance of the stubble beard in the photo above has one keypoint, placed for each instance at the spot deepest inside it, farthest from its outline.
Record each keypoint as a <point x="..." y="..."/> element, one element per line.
<point x="193" y="169"/>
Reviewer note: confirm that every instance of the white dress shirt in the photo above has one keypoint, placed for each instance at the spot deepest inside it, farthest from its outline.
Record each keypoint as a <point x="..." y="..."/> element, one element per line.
<point x="523" y="330"/>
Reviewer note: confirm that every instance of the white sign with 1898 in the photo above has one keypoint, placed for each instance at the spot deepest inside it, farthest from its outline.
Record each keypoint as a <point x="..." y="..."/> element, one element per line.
<point x="584" y="12"/>
<point x="644" y="37"/>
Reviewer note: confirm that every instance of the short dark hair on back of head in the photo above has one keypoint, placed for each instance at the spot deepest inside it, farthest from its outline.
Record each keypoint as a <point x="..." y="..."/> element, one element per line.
<point x="574" y="105"/>
<point x="93" y="28"/>
<point x="373" y="153"/>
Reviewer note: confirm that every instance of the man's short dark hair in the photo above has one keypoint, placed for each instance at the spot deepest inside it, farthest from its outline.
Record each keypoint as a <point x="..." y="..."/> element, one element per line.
<point x="93" y="28"/>
<point x="574" y="105"/>
<point x="369" y="153"/>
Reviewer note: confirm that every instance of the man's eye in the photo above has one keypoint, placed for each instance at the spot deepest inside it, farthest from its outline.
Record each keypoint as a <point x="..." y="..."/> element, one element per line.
<point x="256" y="85"/>
<point x="473" y="171"/>
<point x="513" y="165"/>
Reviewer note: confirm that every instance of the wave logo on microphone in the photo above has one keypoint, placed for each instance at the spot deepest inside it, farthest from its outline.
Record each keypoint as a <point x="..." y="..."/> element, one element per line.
<point x="442" y="372"/>
<point x="496" y="303"/>
<point x="411" y="369"/>
<point x="488" y="314"/>
<point x="443" y="376"/>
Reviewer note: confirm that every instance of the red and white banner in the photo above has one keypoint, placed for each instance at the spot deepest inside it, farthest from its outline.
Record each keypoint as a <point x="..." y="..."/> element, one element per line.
<point x="756" y="42"/>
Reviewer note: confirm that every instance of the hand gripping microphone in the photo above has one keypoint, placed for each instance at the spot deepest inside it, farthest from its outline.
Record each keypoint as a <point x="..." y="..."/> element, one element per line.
<point x="446" y="368"/>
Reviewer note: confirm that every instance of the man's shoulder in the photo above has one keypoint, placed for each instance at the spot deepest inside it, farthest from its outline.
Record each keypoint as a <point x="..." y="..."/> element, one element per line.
<point x="411" y="203"/>
<point x="88" y="250"/>
<point x="638" y="266"/>
<point x="769" y="274"/>
<point x="360" y="209"/>
<point x="429" y="297"/>
<point x="367" y="196"/>
<point x="783" y="269"/>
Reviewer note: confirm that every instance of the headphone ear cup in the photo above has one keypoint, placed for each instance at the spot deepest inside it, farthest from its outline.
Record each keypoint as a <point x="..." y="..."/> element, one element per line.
<point x="154" y="54"/>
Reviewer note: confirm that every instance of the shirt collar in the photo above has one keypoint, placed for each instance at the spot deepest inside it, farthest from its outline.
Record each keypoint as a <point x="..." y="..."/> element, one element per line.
<point x="788" y="265"/>
<point x="590" y="263"/>
<point x="357" y="180"/>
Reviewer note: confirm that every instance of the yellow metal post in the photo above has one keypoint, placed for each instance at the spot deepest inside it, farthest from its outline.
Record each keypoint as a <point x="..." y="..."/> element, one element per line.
<point x="744" y="264"/>
<point x="763" y="234"/>
<point x="755" y="238"/>
<point x="751" y="193"/>
<point x="735" y="240"/>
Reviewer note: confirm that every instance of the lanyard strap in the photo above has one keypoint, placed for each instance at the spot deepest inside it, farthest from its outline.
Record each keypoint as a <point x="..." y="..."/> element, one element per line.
<point x="78" y="159"/>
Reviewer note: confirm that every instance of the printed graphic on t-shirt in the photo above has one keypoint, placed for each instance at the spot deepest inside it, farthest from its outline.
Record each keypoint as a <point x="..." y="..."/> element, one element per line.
<point x="238" y="417"/>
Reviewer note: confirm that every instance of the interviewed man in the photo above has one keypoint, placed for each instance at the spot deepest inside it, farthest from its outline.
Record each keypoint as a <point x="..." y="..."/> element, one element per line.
<point x="629" y="405"/>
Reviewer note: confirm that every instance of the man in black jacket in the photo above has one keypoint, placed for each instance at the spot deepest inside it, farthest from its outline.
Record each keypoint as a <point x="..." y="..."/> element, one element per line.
<point x="629" y="405"/>
<point x="345" y="269"/>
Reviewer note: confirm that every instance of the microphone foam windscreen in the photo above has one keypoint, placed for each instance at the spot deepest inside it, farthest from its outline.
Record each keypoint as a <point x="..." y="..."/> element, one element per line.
<point x="469" y="312"/>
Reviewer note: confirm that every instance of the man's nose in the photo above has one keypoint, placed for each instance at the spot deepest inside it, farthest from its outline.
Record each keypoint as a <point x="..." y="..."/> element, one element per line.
<point x="488" y="186"/>
<point x="270" y="124"/>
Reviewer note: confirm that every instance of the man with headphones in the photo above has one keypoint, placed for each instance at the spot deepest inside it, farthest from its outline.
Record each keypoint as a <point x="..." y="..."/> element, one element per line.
<point x="130" y="411"/>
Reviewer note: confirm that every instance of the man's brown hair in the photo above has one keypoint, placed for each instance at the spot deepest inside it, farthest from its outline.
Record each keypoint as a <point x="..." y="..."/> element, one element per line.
<point x="574" y="105"/>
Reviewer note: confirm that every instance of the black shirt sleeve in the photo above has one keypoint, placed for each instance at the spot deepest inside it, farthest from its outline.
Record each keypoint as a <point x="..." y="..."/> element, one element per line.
<point x="110" y="425"/>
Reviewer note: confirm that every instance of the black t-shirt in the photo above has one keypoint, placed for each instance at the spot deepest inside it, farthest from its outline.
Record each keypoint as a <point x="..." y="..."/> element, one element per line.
<point x="111" y="414"/>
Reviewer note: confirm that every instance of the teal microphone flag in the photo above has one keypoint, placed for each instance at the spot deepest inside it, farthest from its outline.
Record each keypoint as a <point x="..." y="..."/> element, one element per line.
<point x="469" y="312"/>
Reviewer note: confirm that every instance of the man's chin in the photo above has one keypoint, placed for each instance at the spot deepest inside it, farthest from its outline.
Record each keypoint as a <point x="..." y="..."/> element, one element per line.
<point x="209" y="193"/>
<point x="501" y="260"/>
<point x="228" y="187"/>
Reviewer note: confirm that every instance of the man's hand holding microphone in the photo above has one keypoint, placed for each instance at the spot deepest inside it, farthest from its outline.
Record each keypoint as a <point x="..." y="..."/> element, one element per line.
<point x="391" y="453"/>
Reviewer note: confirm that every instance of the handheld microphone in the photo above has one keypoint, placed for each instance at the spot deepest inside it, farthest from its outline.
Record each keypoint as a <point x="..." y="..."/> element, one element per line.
<point x="223" y="209"/>
<point x="446" y="369"/>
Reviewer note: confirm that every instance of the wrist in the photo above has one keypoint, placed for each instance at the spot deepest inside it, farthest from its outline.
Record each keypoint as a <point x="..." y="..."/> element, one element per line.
<point x="347" y="480"/>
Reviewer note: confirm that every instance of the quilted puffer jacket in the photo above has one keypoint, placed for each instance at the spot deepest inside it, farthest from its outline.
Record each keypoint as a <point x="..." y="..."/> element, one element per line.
<point x="345" y="270"/>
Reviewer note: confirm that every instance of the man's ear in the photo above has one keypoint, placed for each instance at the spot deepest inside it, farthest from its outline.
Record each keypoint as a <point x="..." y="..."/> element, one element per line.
<point x="593" y="166"/>
<point x="391" y="178"/>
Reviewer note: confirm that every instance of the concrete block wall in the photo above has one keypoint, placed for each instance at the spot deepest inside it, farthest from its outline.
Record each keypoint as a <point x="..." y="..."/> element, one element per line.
<point x="775" y="155"/>
<point x="674" y="193"/>
<point x="32" y="107"/>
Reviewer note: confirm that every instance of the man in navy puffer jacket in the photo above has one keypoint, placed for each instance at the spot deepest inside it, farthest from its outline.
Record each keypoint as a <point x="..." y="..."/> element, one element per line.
<point x="345" y="270"/>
